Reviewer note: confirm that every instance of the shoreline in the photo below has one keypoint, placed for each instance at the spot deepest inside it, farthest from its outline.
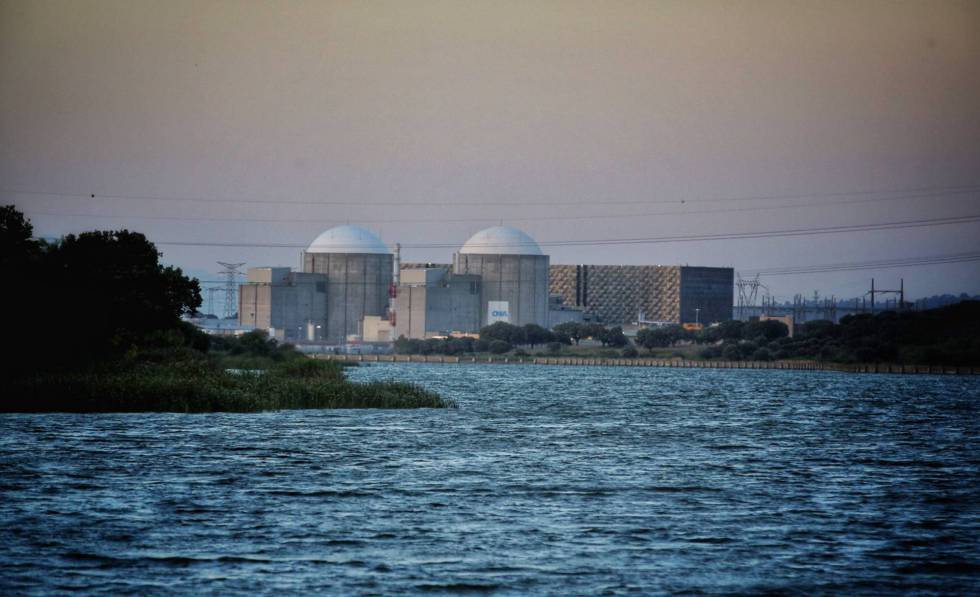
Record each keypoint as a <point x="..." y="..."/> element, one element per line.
<point x="661" y="363"/>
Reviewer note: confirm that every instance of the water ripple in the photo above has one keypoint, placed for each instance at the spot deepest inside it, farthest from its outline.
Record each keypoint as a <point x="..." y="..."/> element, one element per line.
<point x="547" y="480"/>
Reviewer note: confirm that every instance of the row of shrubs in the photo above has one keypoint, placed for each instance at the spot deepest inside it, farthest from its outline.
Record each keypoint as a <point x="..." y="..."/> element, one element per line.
<point x="948" y="336"/>
<point x="501" y="338"/>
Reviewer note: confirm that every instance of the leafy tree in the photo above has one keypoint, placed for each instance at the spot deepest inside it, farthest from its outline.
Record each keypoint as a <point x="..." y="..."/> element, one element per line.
<point x="764" y="330"/>
<point x="710" y="352"/>
<point x="729" y="330"/>
<point x="499" y="346"/>
<point x="570" y="329"/>
<point x="593" y="330"/>
<point x="405" y="345"/>
<point x="561" y="338"/>
<point x="457" y="346"/>
<point x="659" y="337"/>
<point x="821" y="328"/>
<point x="630" y="352"/>
<point x="504" y="332"/>
<point x="256" y="343"/>
<point x="120" y="289"/>
<point x="108" y="288"/>
<point x="731" y="352"/>
<point x="535" y="334"/>
<point x="614" y="337"/>
<point x="17" y="247"/>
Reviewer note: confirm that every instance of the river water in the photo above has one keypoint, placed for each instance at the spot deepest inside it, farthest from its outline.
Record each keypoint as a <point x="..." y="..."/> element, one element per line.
<point x="546" y="480"/>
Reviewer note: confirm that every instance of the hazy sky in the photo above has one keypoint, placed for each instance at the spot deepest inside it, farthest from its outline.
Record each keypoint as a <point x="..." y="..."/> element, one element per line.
<point x="427" y="121"/>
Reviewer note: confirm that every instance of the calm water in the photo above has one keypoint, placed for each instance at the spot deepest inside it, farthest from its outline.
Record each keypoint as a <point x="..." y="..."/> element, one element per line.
<point x="551" y="480"/>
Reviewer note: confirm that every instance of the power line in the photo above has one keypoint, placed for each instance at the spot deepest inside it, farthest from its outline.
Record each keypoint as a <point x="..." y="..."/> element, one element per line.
<point x="792" y="232"/>
<point x="494" y="204"/>
<point x="512" y="219"/>
<point x="864" y="265"/>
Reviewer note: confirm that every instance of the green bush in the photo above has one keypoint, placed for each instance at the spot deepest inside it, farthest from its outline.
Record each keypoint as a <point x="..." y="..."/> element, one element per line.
<point x="308" y="368"/>
<point x="499" y="347"/>
<point x="710" y="352"/>
<point x="731" y="352"/>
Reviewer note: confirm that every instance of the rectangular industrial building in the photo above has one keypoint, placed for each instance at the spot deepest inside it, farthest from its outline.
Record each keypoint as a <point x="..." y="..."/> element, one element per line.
<point x="289" y="305"/>
<point x="621" y="294"/>
<point x="432" y="301"/>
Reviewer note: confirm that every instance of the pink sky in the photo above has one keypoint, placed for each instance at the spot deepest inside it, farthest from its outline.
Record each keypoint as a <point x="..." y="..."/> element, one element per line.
<point x="545" y="115"/>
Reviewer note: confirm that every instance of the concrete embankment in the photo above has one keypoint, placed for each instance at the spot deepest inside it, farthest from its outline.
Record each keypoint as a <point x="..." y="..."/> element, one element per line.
<point x="670" y="363"/>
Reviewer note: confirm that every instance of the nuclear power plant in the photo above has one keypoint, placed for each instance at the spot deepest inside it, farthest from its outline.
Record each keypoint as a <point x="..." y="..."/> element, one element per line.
<point x="354" y="288"/>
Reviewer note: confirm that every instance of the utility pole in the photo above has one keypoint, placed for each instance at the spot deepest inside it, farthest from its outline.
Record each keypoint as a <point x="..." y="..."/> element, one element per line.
<point x="900" y="293"/>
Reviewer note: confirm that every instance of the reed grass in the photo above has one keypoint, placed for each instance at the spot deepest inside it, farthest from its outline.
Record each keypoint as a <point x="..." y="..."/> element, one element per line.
<point x="199" y="386"/>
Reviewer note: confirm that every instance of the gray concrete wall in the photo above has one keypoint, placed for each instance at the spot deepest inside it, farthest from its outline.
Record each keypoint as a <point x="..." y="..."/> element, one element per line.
<point x="357" y="285"/>
<point x="521" y="280"/>
<point x="410" y="311"/>
<point x="559" y="316"/>
<point x="291" y="304"/>
<point x="454" y="306"/>
<point x="449" y="303"/>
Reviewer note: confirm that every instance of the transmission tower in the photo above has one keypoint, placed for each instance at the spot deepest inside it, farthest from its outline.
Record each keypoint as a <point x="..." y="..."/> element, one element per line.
<point x="231" y="287"/>
<point x="748" y="290"/>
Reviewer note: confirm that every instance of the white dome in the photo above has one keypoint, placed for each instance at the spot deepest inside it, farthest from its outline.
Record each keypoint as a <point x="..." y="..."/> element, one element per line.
<point x="347" y="239"/>
<point x="501" y="240"/>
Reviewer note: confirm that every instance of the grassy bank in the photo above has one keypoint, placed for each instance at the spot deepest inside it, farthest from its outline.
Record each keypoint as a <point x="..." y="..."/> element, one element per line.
<point x="200" y="385"/>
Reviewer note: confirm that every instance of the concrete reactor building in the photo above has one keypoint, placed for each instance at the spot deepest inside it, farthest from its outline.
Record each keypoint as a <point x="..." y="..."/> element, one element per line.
<point x="359" y="269"/>
<point x="513" y="273"/>
<point x="347" y="275"/>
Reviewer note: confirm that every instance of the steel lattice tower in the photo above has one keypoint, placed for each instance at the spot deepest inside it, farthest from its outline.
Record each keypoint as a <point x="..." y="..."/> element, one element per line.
<point x="231" y="286"/>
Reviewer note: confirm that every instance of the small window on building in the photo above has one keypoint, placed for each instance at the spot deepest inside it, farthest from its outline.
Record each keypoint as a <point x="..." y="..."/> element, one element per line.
<point x="321" y="286"/>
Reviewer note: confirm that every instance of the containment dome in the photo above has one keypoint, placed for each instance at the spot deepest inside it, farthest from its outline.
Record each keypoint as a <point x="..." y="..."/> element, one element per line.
<point x="500" y="240"/>
<point x="348" y="239"/>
